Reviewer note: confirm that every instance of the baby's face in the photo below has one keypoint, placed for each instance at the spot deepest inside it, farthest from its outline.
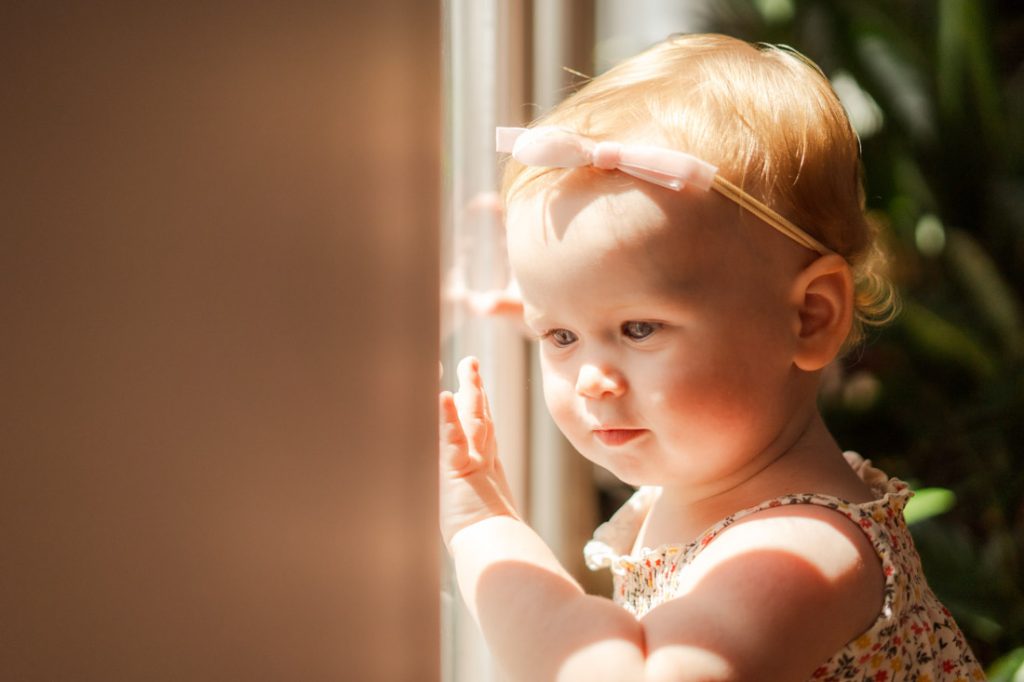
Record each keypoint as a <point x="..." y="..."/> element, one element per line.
<point x="665" y="324"/>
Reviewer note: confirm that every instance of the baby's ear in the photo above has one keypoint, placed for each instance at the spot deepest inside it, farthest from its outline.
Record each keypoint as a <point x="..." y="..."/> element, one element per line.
<point x="823" y="295"/>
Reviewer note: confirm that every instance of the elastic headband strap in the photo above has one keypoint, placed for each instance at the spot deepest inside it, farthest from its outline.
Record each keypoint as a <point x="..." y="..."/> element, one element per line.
<point x="553" y="147"/>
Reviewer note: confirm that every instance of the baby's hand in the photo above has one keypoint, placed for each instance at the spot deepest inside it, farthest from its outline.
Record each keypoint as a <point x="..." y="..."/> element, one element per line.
<point x="473" y="485"/>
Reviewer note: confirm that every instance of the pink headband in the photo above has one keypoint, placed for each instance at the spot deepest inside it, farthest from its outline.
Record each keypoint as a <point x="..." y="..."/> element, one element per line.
<point x="554" y="147"/>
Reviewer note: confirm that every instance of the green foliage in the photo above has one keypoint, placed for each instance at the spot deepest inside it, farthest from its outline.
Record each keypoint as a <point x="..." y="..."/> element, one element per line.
<point x="928" y="502"/>
<point x="1009" y="668"/>
<point x="936" y="89"/>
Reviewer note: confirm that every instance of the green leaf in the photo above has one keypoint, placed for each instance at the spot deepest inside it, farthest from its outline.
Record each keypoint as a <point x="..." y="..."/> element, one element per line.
<point x="1008" y="668"/>
<point x="943" y="342"/>
<point x="928" y="502"/>
<point x="990" y="292"/>
<point x="775" y="11"/>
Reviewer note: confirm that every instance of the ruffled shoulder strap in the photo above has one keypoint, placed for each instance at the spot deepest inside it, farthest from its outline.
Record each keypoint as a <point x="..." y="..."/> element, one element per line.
<point x="612" y="544"/>
<point x="615" y="537"/>
<point x="876" y="479"/>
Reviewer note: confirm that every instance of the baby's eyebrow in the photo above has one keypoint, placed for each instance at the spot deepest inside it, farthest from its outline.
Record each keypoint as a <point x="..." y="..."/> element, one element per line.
<point x="678" y="289"/>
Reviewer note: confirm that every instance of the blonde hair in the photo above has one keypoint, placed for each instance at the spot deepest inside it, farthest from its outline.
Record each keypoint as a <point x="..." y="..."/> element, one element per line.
<point x="766" y="116"/>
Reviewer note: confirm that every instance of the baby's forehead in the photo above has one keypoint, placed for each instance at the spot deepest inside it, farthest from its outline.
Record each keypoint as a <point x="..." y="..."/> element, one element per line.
<point x="604" y="243"/>
<point x="613" y="209"/>
<point x="599" y="240"/>
<point x="615" y="218"/>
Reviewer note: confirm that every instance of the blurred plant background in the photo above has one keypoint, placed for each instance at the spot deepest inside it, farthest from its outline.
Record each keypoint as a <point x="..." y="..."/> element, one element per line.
<point x="936" y="91"/>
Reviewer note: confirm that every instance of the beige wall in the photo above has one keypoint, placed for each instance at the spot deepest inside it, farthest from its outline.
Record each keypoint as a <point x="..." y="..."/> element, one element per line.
<point x="218" y="230"/>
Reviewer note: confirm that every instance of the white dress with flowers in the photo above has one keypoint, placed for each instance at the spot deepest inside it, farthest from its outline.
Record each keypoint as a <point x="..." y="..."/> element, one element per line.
<point x="914" y="638"/>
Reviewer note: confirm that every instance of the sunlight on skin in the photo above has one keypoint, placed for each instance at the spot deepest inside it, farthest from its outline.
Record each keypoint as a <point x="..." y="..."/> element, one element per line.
<point x="781" y="531"/>
<point x="664" y="664"/>
<point x="607" y="659"/>
<point x="803" y="560"/>
<point x="792" y="563"/>
<point x="756" y="580"/>
<point x="525" y="601"/>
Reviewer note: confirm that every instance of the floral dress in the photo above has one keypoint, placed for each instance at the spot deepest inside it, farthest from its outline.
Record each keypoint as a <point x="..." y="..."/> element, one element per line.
<point x="914" y="638"/>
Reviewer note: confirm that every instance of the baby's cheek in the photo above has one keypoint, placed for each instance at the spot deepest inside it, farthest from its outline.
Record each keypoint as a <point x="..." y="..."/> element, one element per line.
<point x="700" y="399"/>
<point x="559" y="395"/>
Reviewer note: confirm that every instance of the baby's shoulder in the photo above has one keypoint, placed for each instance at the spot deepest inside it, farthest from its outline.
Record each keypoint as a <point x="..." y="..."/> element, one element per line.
<point x="808" y="554"/>
<point x="777" y="592"/>
<point x="825" y="538"/>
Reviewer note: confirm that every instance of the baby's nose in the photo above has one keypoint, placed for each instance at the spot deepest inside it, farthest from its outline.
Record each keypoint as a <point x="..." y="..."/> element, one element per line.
<point x="599" y="382"/>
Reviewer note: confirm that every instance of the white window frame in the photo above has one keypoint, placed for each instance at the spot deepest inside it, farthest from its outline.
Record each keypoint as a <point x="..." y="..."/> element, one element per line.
<point x="504" y="66"/>
<point x="484" y="76"/>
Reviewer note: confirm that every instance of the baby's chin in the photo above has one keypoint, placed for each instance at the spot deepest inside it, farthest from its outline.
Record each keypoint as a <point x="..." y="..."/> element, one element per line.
<point x="630" y="475"/>
<point x="631" y="467"/>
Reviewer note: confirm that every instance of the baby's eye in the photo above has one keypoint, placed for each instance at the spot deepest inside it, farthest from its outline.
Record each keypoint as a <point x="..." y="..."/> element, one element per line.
<point x="638" y="331"/>
<point x="561" y="337"/>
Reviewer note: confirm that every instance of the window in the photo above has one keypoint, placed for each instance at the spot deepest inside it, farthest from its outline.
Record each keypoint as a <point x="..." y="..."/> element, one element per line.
<point x="483" y="75"/>
<point x="503" y="66"/>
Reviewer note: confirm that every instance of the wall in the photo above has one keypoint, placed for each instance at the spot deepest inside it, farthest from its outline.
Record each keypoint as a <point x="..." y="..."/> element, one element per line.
<point x="219" y="342"/>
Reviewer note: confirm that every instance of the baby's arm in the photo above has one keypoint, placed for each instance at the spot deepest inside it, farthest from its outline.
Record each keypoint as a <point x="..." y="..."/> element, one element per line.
<point x="772" y="597"/>
<point x="537" y="620"/>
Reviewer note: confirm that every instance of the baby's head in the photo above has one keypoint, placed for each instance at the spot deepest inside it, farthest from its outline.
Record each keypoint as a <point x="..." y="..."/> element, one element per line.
<point x="764" y="115"/>
<point x="678" y="323"/>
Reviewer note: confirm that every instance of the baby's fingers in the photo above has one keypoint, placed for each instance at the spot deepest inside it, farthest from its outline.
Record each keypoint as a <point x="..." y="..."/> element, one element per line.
<point x="454" y="446"/>
<point x="472" y="405"/>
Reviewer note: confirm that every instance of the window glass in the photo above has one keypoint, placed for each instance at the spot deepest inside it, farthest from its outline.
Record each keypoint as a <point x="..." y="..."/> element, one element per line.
<point x="483" y="76"/>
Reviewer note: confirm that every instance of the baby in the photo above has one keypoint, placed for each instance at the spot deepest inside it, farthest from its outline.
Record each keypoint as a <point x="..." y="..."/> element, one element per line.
<point x="688" y="235"/>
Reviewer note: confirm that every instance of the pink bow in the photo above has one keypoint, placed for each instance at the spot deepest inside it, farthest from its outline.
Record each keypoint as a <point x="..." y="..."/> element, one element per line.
<point x="555" y="147"/>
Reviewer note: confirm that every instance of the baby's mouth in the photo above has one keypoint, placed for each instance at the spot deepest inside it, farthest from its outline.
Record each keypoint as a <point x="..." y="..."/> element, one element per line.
<point x="615" y="437"/>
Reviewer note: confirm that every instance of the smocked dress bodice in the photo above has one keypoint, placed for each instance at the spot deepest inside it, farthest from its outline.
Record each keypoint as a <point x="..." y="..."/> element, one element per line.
<point x="914" y="637"/>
